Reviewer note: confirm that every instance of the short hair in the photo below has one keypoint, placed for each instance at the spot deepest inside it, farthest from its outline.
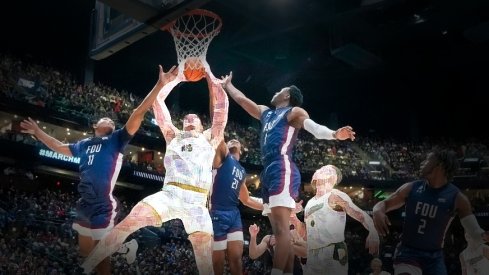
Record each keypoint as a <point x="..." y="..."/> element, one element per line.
<point x="339" y="175"/>
<point x="448" y="160"/>
<point x="296" y="97"/>
<point x="233" y="143"/>
<point x="376" y="260"/>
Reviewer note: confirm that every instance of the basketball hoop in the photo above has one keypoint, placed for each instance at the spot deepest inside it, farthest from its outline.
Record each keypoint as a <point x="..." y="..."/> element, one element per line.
<point x="192" y="34"/>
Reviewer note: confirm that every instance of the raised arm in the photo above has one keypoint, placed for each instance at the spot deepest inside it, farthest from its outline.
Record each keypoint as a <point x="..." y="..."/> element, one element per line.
<point x="394" y="201"/>
<point x="342" y="199"/>
<point x="30" y="127"/>
<point x="247" y="104"/>
<point x="134" y="121"/>
<point x="246" y="199"/>
<point x="163" y="117"/>
<point x="221" y="152"/>
<point x="299" y="118"/>
<point x="219" y="113"/>
<point x="256" y="250"/>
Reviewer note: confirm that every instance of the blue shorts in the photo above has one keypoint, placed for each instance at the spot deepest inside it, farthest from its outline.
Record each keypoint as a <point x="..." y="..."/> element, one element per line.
<point x="428" y="262"/>
<point x="281" y="181"/>
<point x="94" y="219"/>
<point x="227" y="227"/>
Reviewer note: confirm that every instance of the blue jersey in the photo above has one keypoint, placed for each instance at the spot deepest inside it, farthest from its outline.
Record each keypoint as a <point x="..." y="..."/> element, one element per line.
<point x="227" y="184"/>
<point x="100" y="163"/>
<point x="277" y="136"/>
<point x="429" y="212"/>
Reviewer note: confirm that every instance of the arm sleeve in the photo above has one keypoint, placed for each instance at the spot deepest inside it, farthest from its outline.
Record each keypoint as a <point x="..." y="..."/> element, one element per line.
<point x="472" y="228"/>
<point x="319" y="131"/>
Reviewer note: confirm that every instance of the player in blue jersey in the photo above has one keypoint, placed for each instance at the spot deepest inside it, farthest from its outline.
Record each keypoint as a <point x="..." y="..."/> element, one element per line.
<point x="430" y="205"/>
<point x="228" y="187"/>
<point x="281" y="177"/>
<point x="100" y="163"/>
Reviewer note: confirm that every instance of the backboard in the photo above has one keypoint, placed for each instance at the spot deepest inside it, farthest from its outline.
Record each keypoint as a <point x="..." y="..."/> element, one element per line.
<point x="116" y="24"/>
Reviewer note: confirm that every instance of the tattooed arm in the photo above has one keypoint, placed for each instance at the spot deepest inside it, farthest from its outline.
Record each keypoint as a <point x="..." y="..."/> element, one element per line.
<point x="163" y="118"/>
<point x="358" y="214"/>
<point x="219" y="112"/>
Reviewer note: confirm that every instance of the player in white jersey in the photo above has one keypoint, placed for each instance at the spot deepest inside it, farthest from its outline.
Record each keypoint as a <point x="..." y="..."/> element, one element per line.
<point x="188" y="163"/>
<point x="475" y="258"/>
<point x="325" y="219"/>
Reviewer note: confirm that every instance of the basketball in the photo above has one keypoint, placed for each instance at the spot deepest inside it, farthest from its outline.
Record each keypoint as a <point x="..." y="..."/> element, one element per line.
<point x="193" y="69"/>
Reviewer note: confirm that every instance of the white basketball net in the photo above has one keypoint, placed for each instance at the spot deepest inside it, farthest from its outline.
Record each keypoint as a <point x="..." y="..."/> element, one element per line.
<point x="192" y="34"/>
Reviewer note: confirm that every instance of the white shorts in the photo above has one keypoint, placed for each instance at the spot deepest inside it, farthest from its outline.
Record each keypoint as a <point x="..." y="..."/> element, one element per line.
<point x="321" y="261"/>
<point x="95" y="234"/>
<point x="283" y="200"/>
<point x="403" y="268"/>
<point x="231" y="237"/>
<point x="188" y="206"/>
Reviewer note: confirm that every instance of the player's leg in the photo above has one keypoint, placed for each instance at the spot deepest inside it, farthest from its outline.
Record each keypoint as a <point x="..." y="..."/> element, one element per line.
<point x="235" y="251"/>
<point x="279" y="219"/>
<point x="220" y="227"/>
<point x="235" y="243"/>
<point x="86" y="244"/>
<point x="202" y="245"/>
<point x="218" y="260"/>
<point x="145" y="213"/>
<point x="198" y="224"/>
<point x="88" y="237"/>
<point x="283" y="181"/>
<point x="289" y="267"/>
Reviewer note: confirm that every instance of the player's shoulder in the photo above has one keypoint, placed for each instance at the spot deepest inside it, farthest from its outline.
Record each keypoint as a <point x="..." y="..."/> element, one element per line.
<point x="298" y="110"/>
<point x="85" y="140"/>
<point x="338" y="193"/>
<point x="207" y="134"/>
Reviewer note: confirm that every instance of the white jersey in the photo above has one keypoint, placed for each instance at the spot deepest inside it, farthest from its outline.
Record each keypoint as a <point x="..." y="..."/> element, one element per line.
<point x="475" y="262"/>
<point x="188" y="160"/>
<point x="324" y="225"/>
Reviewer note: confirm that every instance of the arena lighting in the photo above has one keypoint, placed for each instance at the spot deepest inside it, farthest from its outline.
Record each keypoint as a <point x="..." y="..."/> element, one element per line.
<point x="374" y="162"/>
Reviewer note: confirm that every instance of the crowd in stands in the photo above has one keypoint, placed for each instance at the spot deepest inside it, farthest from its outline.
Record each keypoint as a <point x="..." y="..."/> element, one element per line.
<point x="36" y="236"/>
<point x="366" y="158"/>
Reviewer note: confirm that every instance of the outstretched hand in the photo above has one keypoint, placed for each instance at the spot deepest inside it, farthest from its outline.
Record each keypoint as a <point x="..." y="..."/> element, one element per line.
<point x="165" y="77"/>
<point x="226" y="80"/>
<point x="345" y="132"/>
<point x="29" y="126"/>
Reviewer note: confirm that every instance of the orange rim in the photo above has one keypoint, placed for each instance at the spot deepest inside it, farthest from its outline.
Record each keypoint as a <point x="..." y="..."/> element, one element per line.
<point x="207" y="13"/>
